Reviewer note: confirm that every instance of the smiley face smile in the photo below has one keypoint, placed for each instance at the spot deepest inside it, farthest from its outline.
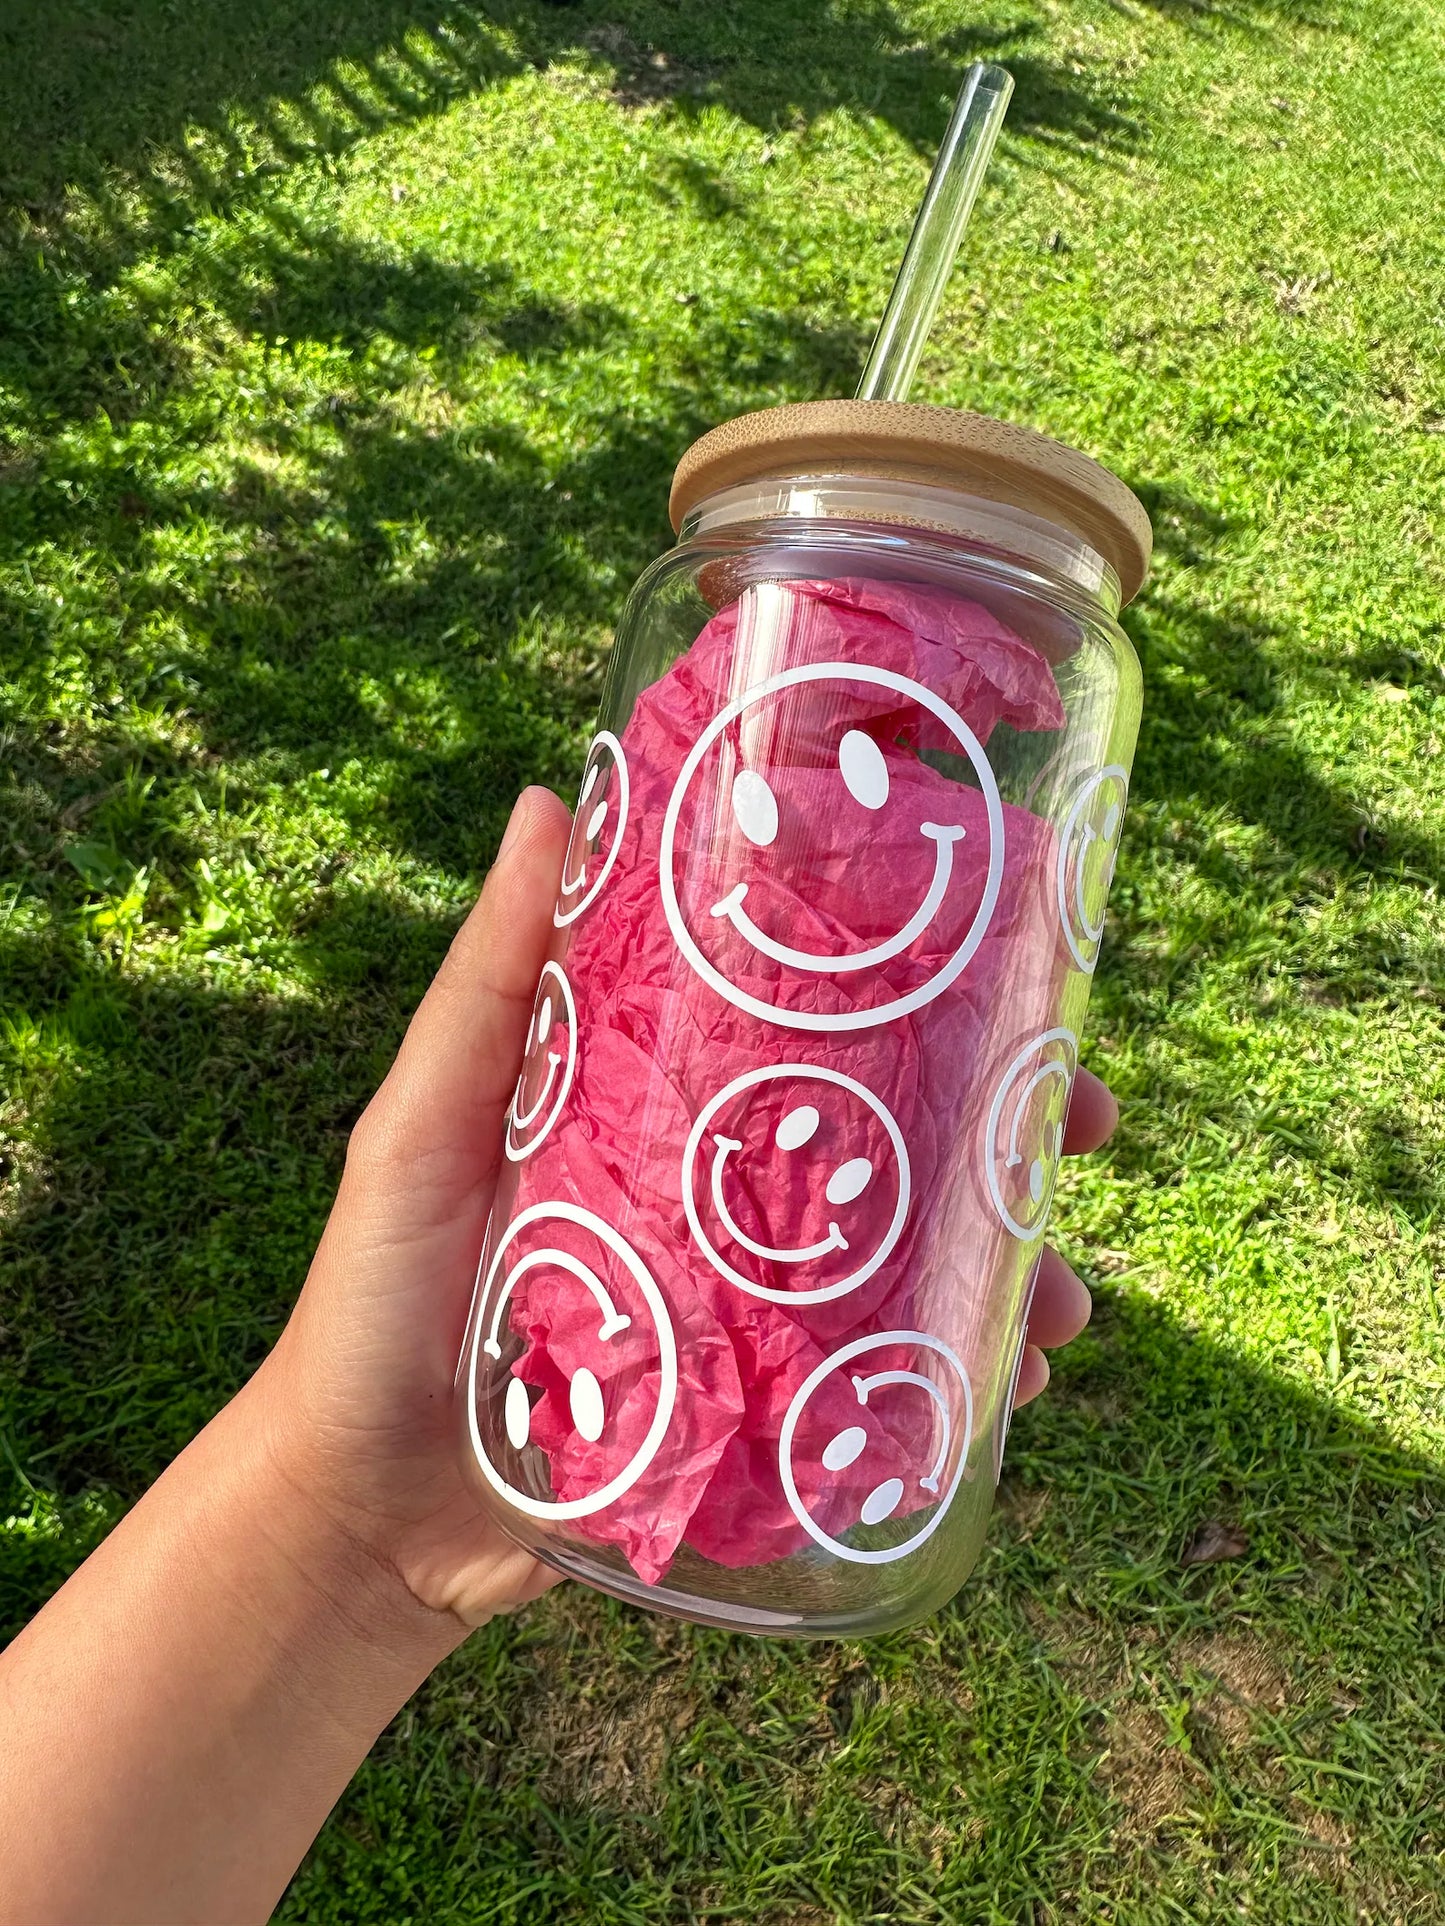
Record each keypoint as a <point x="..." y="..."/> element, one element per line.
<point x="524" y="1119"/>
<point x="592" y="829"/>
<point x="1088" y="851"/>
<point x="945" y="836"/>
<point x="554" y="1023"/>
<point x="843" y="1449"/>
<point x="1039" y="1168"/>
<point x="1093" y="928"/>
<point x="597" y="828"/>
<point x="613" y="1320"/>
<point x="799" y="1254"/>
<point x="1024" y="1135"/>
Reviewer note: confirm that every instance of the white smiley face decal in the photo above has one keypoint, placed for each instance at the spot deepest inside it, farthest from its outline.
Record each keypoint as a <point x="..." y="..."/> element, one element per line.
<point x="588" y="1311"/>
<point x="547" y="1067"/>
<point x="937" y="1404"/>
<point x="1024" y="1136"/>
<point x="597" y="828"/>
<point x="819" y="1165"/>
<point x="1088" y="851"/>
<point x="716" y="766"/>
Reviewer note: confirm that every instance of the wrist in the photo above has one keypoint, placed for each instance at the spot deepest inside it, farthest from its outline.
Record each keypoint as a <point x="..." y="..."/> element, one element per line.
<point x="230" y="1655"/>
<point x="345" y="1600"/>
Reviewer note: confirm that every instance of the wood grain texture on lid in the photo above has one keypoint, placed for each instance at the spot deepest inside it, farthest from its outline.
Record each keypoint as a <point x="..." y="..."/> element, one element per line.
<point x="943" y="447"/>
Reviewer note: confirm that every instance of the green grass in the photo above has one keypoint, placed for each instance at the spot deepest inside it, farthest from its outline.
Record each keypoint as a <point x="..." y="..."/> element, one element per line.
<point x="344" y="356"/>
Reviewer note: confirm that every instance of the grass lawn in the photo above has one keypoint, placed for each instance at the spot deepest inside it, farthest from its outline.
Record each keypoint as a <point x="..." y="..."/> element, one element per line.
<point x="345" y="353"/>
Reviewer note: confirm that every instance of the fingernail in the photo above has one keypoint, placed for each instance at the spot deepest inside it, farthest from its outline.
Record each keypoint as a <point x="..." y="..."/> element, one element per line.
<point x="514" y="823"/>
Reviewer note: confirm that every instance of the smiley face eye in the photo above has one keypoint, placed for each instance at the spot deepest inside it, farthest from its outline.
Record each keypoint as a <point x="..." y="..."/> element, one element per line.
<point x="863" y="769"/>
<point x="1053" y="1149"/>
<point x="544" y="1020"/>
<point x="797" y="1128"/>
<point x="589" y="782"/>
<point x="882" y="1501"/>
<point x="517" y="1414"/>
<point x="1111" y="822"/>
<point x="843" y="1450"/>
<point x="849" y="1181"/>
<point x="585" y="1401"/>
<point x="755" y="807"/>
<point x="596" y="820"/>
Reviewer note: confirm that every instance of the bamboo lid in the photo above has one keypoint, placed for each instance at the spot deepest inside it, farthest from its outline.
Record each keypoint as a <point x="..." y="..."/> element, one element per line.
<point x="943" y="447"/>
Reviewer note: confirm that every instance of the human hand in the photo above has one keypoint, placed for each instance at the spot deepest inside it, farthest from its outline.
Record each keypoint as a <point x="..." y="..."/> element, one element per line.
<point x="235" y="1645"/>
<point x="359" y="1389"/>
<point x="1061" y="1304"/>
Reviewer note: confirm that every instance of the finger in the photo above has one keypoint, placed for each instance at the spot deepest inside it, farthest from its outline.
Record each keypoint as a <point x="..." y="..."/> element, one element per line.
<point x="434" y="1127"/>
<point x="1061" y="1304"/>
<point x="1092" y="1116"/>
<point x="497" y="1577"/>
<point x="1033" y="1376"/>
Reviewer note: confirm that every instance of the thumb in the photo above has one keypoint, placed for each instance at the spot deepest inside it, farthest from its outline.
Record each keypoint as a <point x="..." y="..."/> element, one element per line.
<point x="432" y="1134"/>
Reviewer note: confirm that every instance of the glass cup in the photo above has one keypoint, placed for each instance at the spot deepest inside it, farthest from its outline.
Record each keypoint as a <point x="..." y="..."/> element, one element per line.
<point x="751" y="1306"/>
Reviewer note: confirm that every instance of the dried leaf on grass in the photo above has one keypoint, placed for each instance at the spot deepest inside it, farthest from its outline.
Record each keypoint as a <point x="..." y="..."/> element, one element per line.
<point x="1212" y="1543"/>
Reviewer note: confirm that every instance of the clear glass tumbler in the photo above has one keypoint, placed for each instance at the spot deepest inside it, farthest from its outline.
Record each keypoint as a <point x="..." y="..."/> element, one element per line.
<point x="751" y="1305"/>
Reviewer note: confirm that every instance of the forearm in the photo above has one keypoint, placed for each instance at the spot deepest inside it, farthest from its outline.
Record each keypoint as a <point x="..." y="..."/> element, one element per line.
<point x="179" y="1720"/>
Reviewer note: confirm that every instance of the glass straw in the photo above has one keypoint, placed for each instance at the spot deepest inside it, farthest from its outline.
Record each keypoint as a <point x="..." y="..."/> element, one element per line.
<point x="953" y="186"/>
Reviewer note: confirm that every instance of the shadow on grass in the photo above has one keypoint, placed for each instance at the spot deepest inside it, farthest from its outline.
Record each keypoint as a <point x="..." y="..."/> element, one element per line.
<point x="118" y="132"/>
<point x="184" y="1160"/>
<point x="303" y="643"/>
<point x="119" y="135"/>
<point x="136" y="97"/>
<point x="1221" y="734"/>
<point x="1099" y="1691"/>
<point x="187" y="1139"/>
<point x="186" y="1151"/>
